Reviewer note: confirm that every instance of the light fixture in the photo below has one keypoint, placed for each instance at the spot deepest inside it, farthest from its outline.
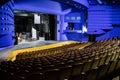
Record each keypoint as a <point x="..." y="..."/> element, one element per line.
<point x="75" y="4"/>
<point x="67" y="2"/>
<point x="79" y="6"/>
<point x="99" y="1"/>
<point x="113" y="2"/>
<point x="89" y="1"/>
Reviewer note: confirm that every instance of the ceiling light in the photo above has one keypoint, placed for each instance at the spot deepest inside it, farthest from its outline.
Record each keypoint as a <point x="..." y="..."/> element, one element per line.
<point x="113" y="2"/>
<point x="67" y="2"/>
<point x="89" y="1"/>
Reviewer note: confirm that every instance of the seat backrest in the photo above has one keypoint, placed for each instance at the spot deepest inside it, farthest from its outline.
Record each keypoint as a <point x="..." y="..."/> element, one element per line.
<point x="65" y="73"/>
<point x="108" y="58"/>
<point x="78" y="77"/>
<point x="95" y="63"/>
<point x="117" y="68"/>
<point x="102" y="71"/>
<point x="102" y="60"/>
<point x="77" y="68"/>
<point x="92" y="74"/>
<point x="112" y="67"/>
<point x="35" y="76"/>
<point x="87" y="66"/>
<point x="51" y="75"/>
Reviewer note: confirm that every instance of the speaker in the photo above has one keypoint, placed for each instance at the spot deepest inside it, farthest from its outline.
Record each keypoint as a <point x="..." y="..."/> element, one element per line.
<point x="92" y="37"/>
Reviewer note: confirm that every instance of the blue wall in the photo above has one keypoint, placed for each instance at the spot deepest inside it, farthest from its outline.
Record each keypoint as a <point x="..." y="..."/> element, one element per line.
<point x="78" y="19"/>
<point x="83" y="2"/>
<point x="104" y="17"/>
<point x="46" y="6"/>
<point x="6" y="24"/>
<point x="115" y="32"/>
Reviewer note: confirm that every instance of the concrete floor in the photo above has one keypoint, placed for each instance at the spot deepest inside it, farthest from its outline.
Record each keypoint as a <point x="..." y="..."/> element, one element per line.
<point x="23" y="44"/>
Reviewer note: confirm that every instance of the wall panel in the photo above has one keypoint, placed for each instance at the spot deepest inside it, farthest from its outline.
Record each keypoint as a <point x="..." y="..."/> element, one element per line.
<point x="6" y="24"/>
<point x="100" y="17"/>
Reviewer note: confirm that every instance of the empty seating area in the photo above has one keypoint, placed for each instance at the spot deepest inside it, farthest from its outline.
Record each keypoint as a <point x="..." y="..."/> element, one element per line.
<point x="95" y="61"/>
<point x="13" y="54"/>
<point x="45" y="52"/>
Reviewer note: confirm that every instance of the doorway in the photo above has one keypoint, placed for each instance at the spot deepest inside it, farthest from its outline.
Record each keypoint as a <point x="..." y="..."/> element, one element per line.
<point x="25" y="24"/>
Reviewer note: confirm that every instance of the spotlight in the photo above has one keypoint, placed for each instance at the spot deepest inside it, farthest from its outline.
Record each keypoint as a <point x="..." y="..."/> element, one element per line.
<point x="68" y="2"/>
<point x="113" y="2"/>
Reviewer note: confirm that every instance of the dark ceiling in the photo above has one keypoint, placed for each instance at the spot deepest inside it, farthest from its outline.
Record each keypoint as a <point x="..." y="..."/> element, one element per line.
<point x="104" y="2"/>
<point x="3" y="2"/>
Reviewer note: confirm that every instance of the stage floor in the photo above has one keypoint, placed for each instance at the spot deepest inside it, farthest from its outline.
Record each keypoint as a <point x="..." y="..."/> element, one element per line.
<point x="4" y="52"/>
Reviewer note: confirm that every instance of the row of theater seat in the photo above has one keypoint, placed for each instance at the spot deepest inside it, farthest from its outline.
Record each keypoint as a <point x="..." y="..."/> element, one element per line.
<point x="45" y="52"/>
<point x="103" y="72"/>
<point x="97" y="61"/>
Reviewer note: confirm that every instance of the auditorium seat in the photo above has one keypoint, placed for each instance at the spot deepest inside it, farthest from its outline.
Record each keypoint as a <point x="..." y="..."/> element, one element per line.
<point x="91" y="74"/>
<point x="95" y="63"/>
<point x="87" y="66"/>
<point x="51" y="75"/>
<point x="102" y="72"/>
<point x="111" y="69"/>
<point x="61" y="63"/>
<point x="35" y="76"/>
<point x="77" y="68"/>
<point x="78" y="60"/>
<point x="70" y="62"/>
<point x="117" y="68"/>
<point x="108" y="58"/>
<point x="102" y="60"/>
<point x="80" y="76"/>
<point x="65" y="73"/>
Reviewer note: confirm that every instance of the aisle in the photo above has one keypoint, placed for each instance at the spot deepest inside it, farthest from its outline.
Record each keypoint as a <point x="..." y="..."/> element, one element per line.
<point x="4" y="52"/>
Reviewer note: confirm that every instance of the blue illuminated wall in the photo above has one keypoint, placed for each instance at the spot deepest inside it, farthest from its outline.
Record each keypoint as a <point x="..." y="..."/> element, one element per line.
<point x="46" y="6"/>
<point x="83" y="2"/>
<point x="6" y="24"/>
<point x="76" y="19"/>
<point x="103" y="18"/>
